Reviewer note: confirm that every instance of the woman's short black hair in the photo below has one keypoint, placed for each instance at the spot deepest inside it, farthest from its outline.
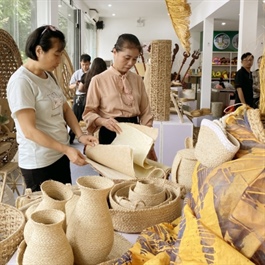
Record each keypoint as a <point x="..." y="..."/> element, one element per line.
<point x="245" y="55"/>
<point x="128" y="41"/>
<point x="43" y="36"/>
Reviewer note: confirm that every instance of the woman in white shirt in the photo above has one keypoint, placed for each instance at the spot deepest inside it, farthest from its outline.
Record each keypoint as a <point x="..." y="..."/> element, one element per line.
<point x="42" y="114"/>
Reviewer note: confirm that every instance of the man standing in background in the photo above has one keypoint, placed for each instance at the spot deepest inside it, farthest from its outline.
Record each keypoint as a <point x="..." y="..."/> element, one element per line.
<point x="80" y="97"/>
<point x="244" y="81"/>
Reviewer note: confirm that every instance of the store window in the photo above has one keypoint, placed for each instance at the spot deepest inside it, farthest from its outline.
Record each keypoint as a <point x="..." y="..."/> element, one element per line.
<point x="89" y="39"/>
<point x="18" y="19"/>
<point x="66" y="17"/>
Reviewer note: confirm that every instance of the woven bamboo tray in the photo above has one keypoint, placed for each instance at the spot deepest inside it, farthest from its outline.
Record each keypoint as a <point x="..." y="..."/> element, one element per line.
<point x="136" y="220"/>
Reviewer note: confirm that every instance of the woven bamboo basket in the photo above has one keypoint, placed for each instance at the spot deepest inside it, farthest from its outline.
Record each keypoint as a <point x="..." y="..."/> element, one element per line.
<point x="135" y="220"/>
<point x="160" y="79"/>
<point x="12" y="223"/>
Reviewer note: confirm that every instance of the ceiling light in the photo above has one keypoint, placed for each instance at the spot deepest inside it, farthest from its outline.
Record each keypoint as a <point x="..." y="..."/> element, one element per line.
<point x="223" y="23"/>
<point x="113" y="15"/>
<point x="109" y="5"/>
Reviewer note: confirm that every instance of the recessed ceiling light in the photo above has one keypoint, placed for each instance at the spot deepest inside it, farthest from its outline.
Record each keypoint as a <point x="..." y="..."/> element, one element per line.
<point x="223" y="23"/>
<point x="113" y="15"/>
<point x="109" y="5"/>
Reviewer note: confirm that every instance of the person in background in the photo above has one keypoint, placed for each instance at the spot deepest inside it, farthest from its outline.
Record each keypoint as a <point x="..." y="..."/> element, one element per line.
<point x="256" y="84"/>
<point x="80" y="96"/>
<point x="244" y="81"/>
<point x="85" y="61"/>
<point x="118" y="95"/>
<point x="42" y="114"/>
<point x="97" y="67"/>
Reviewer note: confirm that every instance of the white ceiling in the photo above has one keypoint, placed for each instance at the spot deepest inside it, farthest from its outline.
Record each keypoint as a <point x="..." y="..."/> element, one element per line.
<point x="134" y="9"/>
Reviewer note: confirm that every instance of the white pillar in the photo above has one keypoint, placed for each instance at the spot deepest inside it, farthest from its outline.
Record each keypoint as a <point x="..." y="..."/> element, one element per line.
<point x="47" y="12"/>
<point x="208" y="27"/>
<point x="248" y="22"/>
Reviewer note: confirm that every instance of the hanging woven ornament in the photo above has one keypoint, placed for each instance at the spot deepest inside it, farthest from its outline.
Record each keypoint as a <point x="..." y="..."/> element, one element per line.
<point x="179" y="11"/>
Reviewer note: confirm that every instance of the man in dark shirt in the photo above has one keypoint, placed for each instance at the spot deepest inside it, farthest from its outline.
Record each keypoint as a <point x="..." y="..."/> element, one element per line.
<point x="244" y="81"/>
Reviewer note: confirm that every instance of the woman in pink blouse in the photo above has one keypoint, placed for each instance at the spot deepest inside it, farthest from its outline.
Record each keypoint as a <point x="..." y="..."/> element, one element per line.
<point x="118" y="95"/>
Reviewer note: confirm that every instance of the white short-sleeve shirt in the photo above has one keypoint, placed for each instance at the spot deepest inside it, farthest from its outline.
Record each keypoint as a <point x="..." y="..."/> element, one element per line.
<point x="26" y="90"/>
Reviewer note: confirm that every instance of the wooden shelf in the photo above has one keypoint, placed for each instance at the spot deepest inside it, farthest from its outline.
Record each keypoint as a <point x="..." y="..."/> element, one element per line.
<point x="223" y="65"/>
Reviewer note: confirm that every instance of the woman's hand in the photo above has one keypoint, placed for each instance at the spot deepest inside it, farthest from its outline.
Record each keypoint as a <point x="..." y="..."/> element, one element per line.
<point x="112" y="125"/>
<point x="75" y="156"/>
<point x="87" y="140"/>
<point x="152" y="154"/>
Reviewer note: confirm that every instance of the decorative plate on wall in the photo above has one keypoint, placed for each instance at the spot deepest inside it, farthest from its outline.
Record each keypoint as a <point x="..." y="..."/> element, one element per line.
<point x="221" y="41"/>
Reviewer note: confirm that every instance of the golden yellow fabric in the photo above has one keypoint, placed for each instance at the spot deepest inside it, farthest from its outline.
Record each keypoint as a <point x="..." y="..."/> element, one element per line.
<point x="223" y="218"/>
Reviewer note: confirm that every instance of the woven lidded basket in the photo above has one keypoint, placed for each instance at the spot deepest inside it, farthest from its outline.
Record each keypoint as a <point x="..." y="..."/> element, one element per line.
<point x="135" y="220"/>
<point x="12" y="223"/>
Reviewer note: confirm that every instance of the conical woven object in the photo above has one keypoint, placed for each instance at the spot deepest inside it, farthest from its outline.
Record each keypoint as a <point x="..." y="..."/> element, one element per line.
<point x="179" y="11"/>
<point x="223" y="147"/>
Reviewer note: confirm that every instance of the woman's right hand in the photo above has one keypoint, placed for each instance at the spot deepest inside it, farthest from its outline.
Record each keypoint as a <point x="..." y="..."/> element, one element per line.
<point x="75" y="156"/>
<point x="112" y="125"/>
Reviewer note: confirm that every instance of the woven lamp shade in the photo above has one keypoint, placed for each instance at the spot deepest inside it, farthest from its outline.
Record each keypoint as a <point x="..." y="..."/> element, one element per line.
<point x="160" y="79"/>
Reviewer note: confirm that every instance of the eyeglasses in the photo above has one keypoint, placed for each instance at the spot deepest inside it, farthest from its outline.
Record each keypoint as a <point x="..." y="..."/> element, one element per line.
<point x="50" y="27"/>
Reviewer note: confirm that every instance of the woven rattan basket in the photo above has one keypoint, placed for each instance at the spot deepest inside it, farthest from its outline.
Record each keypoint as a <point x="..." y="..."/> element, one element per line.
<point x="135" y="220"/>
<point x="12" y="223"/>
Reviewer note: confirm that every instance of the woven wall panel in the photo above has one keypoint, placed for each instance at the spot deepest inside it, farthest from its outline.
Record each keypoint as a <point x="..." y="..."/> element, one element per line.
<point x="160" y="74"/>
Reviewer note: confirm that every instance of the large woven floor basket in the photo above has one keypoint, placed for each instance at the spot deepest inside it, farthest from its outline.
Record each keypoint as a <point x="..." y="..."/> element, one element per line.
<point x="12" y="223"/>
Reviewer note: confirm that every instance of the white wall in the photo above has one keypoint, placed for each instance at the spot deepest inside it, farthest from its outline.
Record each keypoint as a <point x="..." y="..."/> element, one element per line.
<point x="154" y="29"/>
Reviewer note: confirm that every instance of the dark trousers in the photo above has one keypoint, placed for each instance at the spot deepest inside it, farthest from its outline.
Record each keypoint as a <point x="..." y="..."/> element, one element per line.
<point x="78" y="109"/>
<point x="106" y="136"/>
<point x="59" y="171"/>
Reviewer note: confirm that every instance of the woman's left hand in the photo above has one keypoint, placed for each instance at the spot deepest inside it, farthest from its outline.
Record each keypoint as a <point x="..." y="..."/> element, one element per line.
<point x="152" y="154"/>
<point x="88" y="140"/>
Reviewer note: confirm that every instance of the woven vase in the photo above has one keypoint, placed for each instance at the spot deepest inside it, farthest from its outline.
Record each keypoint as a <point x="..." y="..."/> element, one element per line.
<point x="48" y="243"/>
<point x="54" y="196"/>
<point x="183" y="167"/>
<point x="90" y="230"/>
<point x="160" y="79"/>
